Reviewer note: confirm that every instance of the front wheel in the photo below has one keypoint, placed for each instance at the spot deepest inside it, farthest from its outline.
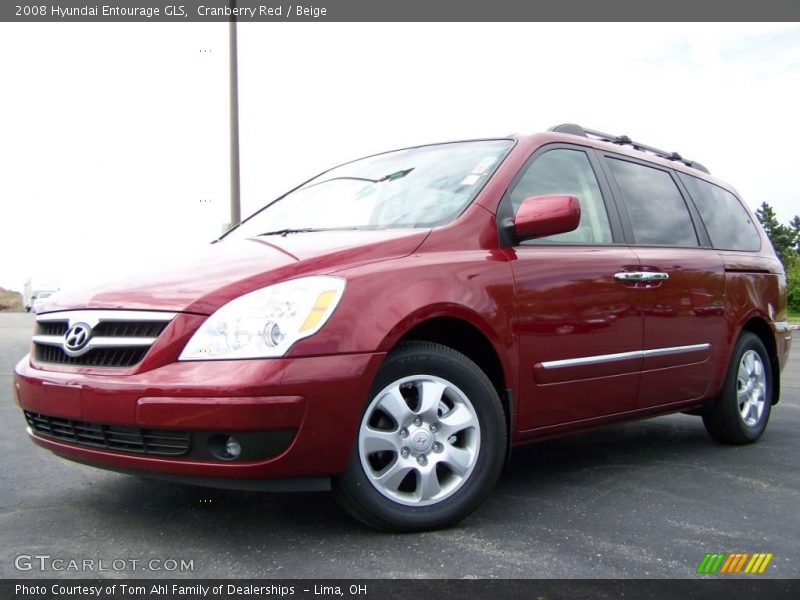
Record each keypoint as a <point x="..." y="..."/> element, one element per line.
<point x="431" y="443"/>
<point x="741" y="412"/>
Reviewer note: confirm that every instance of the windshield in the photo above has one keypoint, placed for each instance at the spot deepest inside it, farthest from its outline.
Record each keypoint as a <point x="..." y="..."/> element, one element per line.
<point x="418" y="187"/>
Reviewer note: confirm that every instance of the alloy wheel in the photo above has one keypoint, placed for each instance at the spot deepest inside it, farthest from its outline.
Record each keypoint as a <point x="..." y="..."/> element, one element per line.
<point x="751" y="388"/>
<point x="419" y="440"/>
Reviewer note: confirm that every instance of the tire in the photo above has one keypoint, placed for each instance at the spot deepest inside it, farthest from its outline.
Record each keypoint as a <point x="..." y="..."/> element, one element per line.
<point x="431" y="443"/>
<point x="741" y="412"/>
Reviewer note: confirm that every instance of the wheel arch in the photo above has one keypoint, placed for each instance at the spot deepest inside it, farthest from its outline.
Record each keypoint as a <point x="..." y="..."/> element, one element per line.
<point x="760" y="327"/>
<point x="464" y="331"/>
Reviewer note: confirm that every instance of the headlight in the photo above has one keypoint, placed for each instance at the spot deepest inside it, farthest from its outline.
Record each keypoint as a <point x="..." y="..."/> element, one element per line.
<point x="267" y="322"/>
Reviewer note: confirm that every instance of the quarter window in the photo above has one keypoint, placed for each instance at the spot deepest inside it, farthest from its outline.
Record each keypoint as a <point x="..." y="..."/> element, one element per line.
<point x="658" y="213"/>
<point x="565" y="171"/>
<point x="728" y="223"/>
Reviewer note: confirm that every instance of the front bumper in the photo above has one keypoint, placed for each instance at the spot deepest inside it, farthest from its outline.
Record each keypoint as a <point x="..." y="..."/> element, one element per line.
<point x="319" y="400"/>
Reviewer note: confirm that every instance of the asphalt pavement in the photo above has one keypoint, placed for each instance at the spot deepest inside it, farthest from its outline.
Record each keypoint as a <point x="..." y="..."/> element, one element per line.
<point x="644" y="499"/>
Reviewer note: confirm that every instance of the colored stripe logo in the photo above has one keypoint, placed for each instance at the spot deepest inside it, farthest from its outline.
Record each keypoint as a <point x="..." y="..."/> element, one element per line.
<point x="734" y="562"/>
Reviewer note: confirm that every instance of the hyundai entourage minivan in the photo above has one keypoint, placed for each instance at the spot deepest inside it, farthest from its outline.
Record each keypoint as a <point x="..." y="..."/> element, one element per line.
<point x="392" y="328"/>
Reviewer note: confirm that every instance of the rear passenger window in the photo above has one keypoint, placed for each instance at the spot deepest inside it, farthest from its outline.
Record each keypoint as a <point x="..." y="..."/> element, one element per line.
<point x="565" y="171"/>
<point x="658" y="213"/>
<point x="727" y="221"/>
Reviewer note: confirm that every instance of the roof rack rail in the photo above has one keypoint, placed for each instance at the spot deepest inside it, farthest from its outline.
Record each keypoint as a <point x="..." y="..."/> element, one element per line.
<point x="624" y="140"/>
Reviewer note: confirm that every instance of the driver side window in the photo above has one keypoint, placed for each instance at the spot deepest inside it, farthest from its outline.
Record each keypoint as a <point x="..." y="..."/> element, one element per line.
<point x="564" y="171"/>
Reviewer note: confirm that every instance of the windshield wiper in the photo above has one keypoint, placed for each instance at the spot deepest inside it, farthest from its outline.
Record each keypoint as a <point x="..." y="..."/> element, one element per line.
<point x="284" y="232"/>
<point x="396" y="175"/>
<point x="365" y="179"/>
<point x="389" y="177"/>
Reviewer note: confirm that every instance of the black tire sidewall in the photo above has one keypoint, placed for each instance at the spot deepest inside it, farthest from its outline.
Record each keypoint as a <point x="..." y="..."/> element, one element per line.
<point x="729" y="405"/>
<point x="428" y="359"/>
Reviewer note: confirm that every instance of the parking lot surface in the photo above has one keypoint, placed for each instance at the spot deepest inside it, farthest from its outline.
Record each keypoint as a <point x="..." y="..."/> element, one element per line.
<point x="645" y="499"/>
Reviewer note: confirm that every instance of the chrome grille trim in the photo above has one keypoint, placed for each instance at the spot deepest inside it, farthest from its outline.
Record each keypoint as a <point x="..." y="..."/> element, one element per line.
<point x="93" y="317"/>
<point x="125" y="336"/>
<point x="96" y="342"/>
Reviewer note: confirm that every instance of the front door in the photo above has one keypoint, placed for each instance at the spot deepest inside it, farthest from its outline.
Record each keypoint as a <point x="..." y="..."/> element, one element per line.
<point x="579" y="325"/>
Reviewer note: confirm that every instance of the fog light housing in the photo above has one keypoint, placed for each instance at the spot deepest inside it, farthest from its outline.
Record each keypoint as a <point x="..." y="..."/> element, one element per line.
<point x="233" y="447"/>
<point x="224" y="446"/>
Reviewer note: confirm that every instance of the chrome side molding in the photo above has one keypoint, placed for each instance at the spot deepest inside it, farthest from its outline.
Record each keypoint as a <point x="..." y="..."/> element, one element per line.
<point x="604" y="358"/>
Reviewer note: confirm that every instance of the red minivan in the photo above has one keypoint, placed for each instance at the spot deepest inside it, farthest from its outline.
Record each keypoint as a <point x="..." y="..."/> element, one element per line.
<point x="393" y="327"/>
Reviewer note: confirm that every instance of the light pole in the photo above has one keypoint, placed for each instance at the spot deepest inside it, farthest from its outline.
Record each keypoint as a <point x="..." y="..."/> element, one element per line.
<point x="236" y="207"/>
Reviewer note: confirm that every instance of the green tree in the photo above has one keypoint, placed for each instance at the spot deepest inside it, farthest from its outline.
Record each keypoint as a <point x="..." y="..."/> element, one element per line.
<point x="793" y="283"/>
<point x="795" y="226"/>
<point x="784" y="238"/>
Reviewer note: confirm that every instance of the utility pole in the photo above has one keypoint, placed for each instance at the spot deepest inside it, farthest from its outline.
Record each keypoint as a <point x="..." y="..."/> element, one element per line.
<point x="236" y="207"/>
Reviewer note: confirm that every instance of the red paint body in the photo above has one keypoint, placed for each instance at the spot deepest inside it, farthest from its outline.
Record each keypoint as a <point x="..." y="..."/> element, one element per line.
<point x="533" y="304"/>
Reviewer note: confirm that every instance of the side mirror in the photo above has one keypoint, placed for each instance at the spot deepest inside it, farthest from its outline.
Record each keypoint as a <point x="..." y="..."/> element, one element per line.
<point x="540" y="216"/>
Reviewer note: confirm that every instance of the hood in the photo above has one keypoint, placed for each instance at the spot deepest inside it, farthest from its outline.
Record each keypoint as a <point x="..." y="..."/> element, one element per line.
<point x="204" y="280"/>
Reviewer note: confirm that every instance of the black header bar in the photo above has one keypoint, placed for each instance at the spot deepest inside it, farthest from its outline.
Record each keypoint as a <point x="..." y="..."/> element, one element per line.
<point x="703" y="587"/>
<point x="185" y="11"/>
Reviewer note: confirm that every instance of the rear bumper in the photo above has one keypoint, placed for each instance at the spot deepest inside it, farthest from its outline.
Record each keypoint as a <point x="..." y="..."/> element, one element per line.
<point x="318" y="400"/>
<point x="783" y="341"/>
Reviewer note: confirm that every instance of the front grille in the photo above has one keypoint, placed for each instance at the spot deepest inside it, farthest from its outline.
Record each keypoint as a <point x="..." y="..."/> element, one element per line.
<point x="159" y="442"/>
<point x="115" y="339"/>
<point x="52" y="327"/>
<point x="129" y="329"/>
<point x="97" y="357"/>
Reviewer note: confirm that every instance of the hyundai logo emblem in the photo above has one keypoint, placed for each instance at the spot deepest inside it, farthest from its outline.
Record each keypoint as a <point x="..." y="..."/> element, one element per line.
<point x="77" y="337"/>
<point x="421" y="440"/>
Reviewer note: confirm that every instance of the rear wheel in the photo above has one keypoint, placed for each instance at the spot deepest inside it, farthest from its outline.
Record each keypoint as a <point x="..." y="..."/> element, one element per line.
<point x="741" y="412"/>
<point x="431" y="442"/>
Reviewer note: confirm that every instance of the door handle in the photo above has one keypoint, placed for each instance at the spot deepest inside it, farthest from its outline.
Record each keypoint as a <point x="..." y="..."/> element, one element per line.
<point x="637" y="276"/>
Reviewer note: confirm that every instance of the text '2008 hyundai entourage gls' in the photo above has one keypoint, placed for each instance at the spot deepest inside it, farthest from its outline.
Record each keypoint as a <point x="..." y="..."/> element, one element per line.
<point x="392" y="327"/>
